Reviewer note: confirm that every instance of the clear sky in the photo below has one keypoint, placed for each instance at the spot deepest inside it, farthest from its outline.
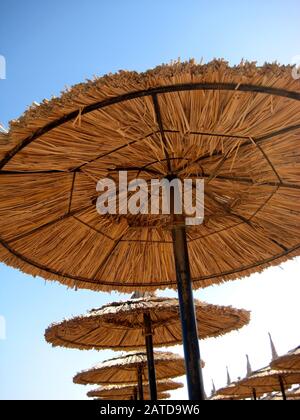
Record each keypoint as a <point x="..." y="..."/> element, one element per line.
<point x="52" y="44"/>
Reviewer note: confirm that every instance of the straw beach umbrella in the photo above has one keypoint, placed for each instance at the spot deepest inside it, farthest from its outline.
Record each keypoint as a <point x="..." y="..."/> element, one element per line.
<point x="271" y="380"/>
<point x="162" y="396"/>
<point x="131" y="369"/>
<point x="290" y="361"/>
<point x="268" y="380"/>
<point x="121" y="325"/>
<point x="127" y="392"/>
<point x="150" y="320"/>
<point x="236" y="128"/>
<point x="239" y="392"/>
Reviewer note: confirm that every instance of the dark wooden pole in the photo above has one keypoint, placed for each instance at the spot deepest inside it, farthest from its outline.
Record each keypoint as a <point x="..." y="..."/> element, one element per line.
<point x="282" y="388"/>
<point x="254" y="394"/>
<point x="135" y="394"/>
<point x="188" y="316"/>
<point x="186" y="299"/>
<point x="150" y="356"/>
<point x="140" y="383"/>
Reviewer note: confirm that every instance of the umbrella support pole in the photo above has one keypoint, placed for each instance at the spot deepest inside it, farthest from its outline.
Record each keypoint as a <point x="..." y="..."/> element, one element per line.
<point x="188" y="316"/>
<point x="254" y="394"/>
<point x="150" y="356"/>
<point x="282" y="388"/>
<point x="140" y="383"/>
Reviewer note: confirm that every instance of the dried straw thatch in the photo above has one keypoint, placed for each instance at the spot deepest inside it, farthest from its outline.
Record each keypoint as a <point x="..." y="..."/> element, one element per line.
<point x="123" y="370"/>
<point x="237" y="128"/>
<point x="126" y="391"/>
<point x="290" y="361"/>
<point x="161" y="396"/>
<point x="237" y="391"/>
<point x="120" y="326"/>
<point x="268" y="380"/>
<point x="224" y="398"/>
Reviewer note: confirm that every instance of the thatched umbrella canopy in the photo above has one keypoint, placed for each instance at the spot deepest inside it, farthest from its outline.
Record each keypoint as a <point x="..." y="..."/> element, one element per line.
<point x="290" y="361"/>
<point x="162" y="396"/>
<point x="225" y="398"/>
<point x="271" y="380"/>
<point x="131" y="369"/>
<point x="239" y="392"/>
<point x="120" y="325"/>
<point x="142" y="322"/>
<point x="129" y="391"/>
<point x="236" y="128"/>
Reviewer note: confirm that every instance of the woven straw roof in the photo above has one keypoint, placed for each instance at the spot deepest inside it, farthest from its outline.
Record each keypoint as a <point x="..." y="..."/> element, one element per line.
<point x="267" y="379"/>
<point x="237" y="128"/>
<point x="123" y="370"/>
<point x="115" y="391"/>
<point x="160" y="396"/>
<point x="120" y="325"/>
<point x="224" y="398"/>
<point x="290" y="361"/>
<point x="237" y="391"/>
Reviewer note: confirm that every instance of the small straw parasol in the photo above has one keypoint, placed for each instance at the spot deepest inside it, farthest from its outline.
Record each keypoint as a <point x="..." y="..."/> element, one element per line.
<point x="121" y="325"/>
<point x="290" y="361"/>
<point x="237" y="128"/>
<point x="162" y="396"/>
<point x="224" y="398"/>
<point x="131" y="369"/>
<point x="142" y="320"/>
<point x="271" y="380"/>
<point x="127" y="392"/>
<point x="268" y="379"/>
<point x="237" y="392"/>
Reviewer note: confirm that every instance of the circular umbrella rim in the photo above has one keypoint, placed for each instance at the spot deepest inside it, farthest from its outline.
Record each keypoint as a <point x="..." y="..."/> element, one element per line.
<point x="119" y="363"/>
<point x="107" y="319"/>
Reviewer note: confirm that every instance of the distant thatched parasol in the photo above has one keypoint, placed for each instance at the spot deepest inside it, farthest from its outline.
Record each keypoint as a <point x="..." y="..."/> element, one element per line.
<point x="238" y="392"/>
<point x="270" y="380"/>
<point x="120" y="325"/>
<point x="130" y="391"/>
<point x="131" y="369"/>
<point x="290" y="361"/>
<point x="225" y="398"/>
<point x="142" y="321"/>
<point x="236" y="128"/>
<point x="162" y="396"/>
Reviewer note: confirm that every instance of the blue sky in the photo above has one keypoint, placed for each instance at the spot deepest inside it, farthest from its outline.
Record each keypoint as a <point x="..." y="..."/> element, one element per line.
<point x="53" y="44"/>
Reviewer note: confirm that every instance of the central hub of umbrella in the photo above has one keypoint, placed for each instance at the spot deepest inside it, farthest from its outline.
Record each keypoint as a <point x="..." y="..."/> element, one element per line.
<point x="234" y="191"/>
